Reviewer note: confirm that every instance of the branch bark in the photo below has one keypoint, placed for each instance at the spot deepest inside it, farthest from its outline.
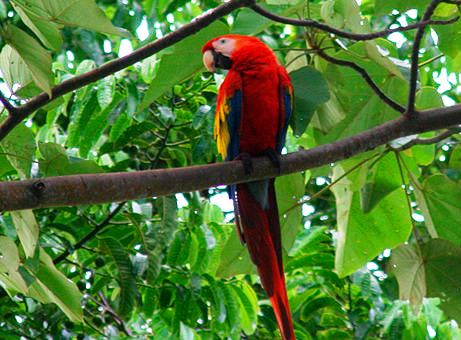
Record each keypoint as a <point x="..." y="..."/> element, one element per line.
<point x="415" y="56"/>
<point x="363" y="73"/>
<point x="6" y="104"/>
<point x="348" y="35"/>
<point x="112" y="187"/>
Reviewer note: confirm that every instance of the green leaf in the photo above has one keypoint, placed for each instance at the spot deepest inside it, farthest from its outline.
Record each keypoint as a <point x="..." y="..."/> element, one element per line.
<point x="46" y="31"/>
<point x="178" y="248"/>
<point x="433" y="271"/>
<point x="345" y="13"/>
<point x="428" y="98"/>
<point x="362" y="236"/>
<point x="439" y="199"/>
<point x="289" y="190"/>
<point x="81" y="13"/>
<point x="9" y="255"/>
<point x="378" y="183"/>
<point x="310" y="91"/>
<point x="248" y="302"/>
<point x="27" y="229"/>
<point x="161" y="236"/>
<point x="126" y="278"/>
<point x="232" y="306"/>
<point x="186" y="333"/>
<point x="122" y="123"/>
<point x="59" y="289"/>
<point x="184" y="60"/>
<point x="364" y="109"/>
<point x="249" y="22"/>
<point x="449" y="37"/>
<point x="455" y="158"/>
<point x="81" y="113"/>
<point x="309" y="309"/>
<point x="37" y="59"/>
<point x="14" y="69"/>
<point x="407" y="266"/>
<point x="106" y="91"/>
<point x="54" y="161"/>
<point x="387" y="6"/>
<point x="235" y="259"/>
<point x="98" y="121"/>
<point x="3" y="12"/>
<point x="19" y="148"/>
<point x="216" y="238"/>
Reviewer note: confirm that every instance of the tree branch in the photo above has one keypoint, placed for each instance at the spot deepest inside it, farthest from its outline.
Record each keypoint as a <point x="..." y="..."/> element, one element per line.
<point x="396" y="106"/>
<point x="415" y="56"/>
<point x="21" y="112"/>
<point x="7" y="105"/>
<point x="353" y="36"/>
<point x="112" y="187"/>
<point x="428" y="141"/>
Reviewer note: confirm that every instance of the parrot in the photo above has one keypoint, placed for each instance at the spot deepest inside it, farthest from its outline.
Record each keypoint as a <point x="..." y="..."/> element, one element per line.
<point x="253" y="109"/>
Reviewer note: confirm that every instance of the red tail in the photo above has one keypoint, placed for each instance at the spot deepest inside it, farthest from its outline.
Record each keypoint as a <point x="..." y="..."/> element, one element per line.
<point x="259" y="219"/>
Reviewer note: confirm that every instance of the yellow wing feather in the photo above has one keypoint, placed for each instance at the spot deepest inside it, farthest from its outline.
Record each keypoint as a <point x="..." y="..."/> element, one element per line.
<point x="221" y="128"/>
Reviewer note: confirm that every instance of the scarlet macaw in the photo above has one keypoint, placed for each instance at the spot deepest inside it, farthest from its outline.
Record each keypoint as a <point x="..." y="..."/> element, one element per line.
<point x="253" y="109"/>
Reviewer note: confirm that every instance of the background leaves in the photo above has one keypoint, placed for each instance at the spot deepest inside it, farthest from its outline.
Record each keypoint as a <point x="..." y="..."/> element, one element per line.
<point x="360" y="237"/>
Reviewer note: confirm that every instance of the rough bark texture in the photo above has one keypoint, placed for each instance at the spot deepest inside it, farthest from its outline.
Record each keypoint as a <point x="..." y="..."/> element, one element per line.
<point x="113" y="187"/>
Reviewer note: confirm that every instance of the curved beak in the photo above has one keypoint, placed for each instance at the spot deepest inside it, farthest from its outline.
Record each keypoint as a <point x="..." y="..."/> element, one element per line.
<point x="208" y="61"/>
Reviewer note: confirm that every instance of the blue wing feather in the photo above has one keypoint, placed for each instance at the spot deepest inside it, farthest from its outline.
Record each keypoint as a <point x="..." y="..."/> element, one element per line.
<point x="287" y="110"/>
<point x="233" y="123"/>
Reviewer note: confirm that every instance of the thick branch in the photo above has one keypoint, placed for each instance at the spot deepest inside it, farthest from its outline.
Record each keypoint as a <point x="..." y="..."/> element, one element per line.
<point x="396" y="106"/>
<point x="349" y="35"/>
<point x="102" y="188"/>
<point x="116" y="65"/>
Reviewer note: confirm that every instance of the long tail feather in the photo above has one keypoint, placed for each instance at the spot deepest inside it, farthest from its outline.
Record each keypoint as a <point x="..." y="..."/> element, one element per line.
<point x="261" y="228"/>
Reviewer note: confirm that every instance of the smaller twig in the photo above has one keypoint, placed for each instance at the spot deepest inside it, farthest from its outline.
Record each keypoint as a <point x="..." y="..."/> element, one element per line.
<point x="6" y="104"/>
<point x="430" y="60"/>
<point x="90" y="235"/>
<point x="427" y="141"/>
<point x="414" y="231"/>
<point x="396" y="106"/>
<point x="410" y="111"/>
<point x="347" y="173"/>
<point x="115" y="316"/>
<point x="181" y="142"/>
<point x="107" y="308"/>
<point x="353" y="36"/>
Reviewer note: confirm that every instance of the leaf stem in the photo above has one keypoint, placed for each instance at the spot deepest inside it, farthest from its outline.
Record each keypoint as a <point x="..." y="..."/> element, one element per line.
<point x="347" y="173"/>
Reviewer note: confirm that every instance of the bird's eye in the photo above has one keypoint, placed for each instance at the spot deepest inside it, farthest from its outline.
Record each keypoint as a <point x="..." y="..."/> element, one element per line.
<point x="222" y="41"/>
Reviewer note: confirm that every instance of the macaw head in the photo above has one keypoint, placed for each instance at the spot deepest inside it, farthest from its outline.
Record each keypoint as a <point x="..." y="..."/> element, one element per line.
<point x="232" y="50"/>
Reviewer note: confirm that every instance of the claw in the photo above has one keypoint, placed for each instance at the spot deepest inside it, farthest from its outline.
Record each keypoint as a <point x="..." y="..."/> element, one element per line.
<point x="246" y="161"/>
<point x="274" y="157"/>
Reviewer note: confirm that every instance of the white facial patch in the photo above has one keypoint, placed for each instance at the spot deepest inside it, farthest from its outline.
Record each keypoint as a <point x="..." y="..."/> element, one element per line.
<point x="225" y="46"/>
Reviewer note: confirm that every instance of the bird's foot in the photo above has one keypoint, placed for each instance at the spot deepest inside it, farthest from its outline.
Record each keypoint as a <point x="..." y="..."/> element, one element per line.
<point x="274" y="157"/>
<point x="247" y="162"/>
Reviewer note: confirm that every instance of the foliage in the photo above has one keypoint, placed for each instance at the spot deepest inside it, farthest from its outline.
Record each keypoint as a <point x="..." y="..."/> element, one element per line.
<point x="385" y="233"/>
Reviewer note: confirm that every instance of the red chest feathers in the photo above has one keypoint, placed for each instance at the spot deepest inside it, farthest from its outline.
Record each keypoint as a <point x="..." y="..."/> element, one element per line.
<point x="260" y="119"/>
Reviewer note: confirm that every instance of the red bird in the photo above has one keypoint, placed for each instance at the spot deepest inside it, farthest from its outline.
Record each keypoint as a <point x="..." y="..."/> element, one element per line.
<point x="253" y="109"/>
